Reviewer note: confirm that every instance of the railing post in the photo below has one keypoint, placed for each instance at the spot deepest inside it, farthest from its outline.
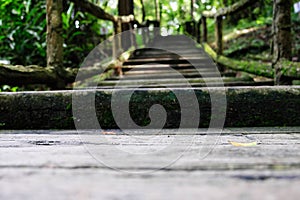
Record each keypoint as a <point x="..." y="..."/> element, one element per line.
<point x="204" y="28"/>
<point x="282" y="41"/>
<point x="132" y="35"/>
<point x="156" y="25"/>
<point x="198" y="31"/>
<point x="54" y="33"/>
<point x="117" y="42"/>
<point x="54" y="37"/>
<point x="126" y="8"/>
<point x="219" y="34"/>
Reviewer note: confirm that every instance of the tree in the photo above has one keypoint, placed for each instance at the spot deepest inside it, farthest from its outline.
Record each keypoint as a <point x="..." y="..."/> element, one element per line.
<point x="282" y="40"/>
<point x="55" y="39"/>
<point x="126" y="8"/>
<point x="55" y="74"/>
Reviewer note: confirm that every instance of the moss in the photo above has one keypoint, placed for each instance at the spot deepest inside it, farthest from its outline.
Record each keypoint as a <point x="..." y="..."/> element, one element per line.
<point x="290" y="69"/>
<point x="69" y="106"/>
<point x="263" y="106"/>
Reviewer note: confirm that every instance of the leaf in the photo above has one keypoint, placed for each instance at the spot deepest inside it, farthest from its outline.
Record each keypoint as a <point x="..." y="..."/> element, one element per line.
<point x="238" y="144"/>
<point x="14" y="89"/>
<point x="108" y="133"/>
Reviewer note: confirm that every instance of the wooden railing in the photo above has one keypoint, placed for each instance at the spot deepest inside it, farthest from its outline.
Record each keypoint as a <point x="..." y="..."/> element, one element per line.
<point x="193" y="28"/>
<point x="288" y="71"/>
<point x="218" y="16"/>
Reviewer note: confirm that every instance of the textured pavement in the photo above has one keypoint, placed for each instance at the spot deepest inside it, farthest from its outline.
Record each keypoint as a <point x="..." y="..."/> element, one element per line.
<point x="141" y="165"/>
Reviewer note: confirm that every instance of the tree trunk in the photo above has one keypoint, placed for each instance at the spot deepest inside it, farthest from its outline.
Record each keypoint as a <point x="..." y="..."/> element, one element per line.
<point x="157" y="12"/>
<point x="192" y="9"/>
<point x="143" y="11"/>
<point x="204" y="29"/>
<point x="54" y="38"/>
<point x="117" y="40"/>
<point x="282" y="41"/>
<point x="125" y="8"/>
<point x="219" y="35"/>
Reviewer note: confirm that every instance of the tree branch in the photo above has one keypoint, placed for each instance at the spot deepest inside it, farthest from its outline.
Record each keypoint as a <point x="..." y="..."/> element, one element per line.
<point x="100" y="13"/>
<point x="242" y="4"/>
<point x="33" y="74"/>
<point x="93" y="9"/>
<point x="20" y="75"/>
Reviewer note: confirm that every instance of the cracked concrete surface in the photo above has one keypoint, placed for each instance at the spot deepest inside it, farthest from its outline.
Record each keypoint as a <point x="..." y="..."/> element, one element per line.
<point x="61" y="165"/>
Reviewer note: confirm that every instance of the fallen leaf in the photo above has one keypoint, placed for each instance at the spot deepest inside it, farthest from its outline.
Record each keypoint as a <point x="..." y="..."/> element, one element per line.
<point x="238" y="144"/>
<point x="108" y="133"/>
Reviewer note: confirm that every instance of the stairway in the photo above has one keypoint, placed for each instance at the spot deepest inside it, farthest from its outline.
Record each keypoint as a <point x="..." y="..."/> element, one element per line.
<point x="259" y="158"/>
<point x="174" y="61"/>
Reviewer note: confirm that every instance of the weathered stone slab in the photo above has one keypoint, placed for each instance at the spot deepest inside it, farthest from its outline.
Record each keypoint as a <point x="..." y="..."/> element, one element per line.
<point x="57" y="165"/>
<point x="246" y="106"/>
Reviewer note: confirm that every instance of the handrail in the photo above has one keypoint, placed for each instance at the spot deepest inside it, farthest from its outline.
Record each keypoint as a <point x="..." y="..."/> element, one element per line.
<point x="100" y="13"/>
<point x="218" y="15"/>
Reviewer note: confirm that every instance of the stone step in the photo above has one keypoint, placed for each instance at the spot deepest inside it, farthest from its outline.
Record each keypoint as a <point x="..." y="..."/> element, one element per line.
<point x="160" y="71"/>
<point x="168" y="55"/>
<point x="246" y="107"/>
<point x="154" y="52"/>
<point x="151" y="70"/>
<point x="175" y="80"/>
<point x="164" y="74"/>
<point x="158" y="66"/>
<point x="67" y="167"/>
<point x="193" y="85"/>
<point x="164" y="60"/>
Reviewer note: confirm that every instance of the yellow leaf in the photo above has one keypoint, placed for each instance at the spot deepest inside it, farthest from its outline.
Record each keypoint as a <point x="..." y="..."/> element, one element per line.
<point x="108" y="133"/>
<point x="238" y="144"/>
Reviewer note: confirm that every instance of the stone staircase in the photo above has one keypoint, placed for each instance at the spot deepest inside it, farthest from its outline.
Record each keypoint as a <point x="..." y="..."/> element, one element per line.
<point x="256" y="153"/>
<point x="167" y="70"/>
<point x="175" y="61"/>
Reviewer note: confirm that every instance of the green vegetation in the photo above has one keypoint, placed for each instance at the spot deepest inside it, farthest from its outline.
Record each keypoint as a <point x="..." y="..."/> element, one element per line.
<point x="7" y="88"/>
<point x="23" y="33"/>
<point x="247" y="35"/>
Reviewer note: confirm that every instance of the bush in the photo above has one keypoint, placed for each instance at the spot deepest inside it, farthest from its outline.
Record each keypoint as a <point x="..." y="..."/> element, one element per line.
<point x="23" y="33"/>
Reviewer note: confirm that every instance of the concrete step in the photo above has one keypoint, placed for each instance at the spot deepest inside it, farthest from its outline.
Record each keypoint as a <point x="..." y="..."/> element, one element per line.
<point x="201" y="67"/>
<point x="168" y="55"/>
<point x="164" y="75"/>
<point x="213" y="80"/>
<point x="161" y="71"/>
<point x="246" y="107"/>
<point x="193" y="85"/>
<point x="62" y="162"/>
<point x="164" y="60"/>
<point x="151" y="70"/>
<point x="155" y="52"/>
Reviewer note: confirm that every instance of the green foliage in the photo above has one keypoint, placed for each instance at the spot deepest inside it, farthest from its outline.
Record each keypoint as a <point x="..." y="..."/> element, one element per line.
<point x="7" y="88"/>
<point x="82" y="32"/>
<point x="23" y="25"/>
<point x="23" y="31"/>
<point x="247" y="23"/>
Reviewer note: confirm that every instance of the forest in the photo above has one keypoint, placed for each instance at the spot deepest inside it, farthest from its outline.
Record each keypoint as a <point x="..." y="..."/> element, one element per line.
<point x="149" y="99"/>
<point x="258" y="38"/>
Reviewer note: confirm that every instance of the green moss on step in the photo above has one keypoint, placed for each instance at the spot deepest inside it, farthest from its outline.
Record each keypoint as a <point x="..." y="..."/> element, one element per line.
<point x="290" y="69"/>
